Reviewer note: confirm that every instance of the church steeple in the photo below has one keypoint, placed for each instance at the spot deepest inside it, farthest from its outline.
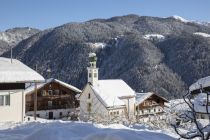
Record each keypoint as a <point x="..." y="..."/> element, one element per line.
<point x="92" y="69"/>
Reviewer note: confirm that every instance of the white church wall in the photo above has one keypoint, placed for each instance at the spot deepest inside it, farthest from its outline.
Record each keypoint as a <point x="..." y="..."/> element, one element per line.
<point x="97" y="108"/>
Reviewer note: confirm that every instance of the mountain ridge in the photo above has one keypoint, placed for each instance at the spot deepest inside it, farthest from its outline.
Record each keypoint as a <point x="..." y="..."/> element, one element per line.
<point x="146" y="64"/>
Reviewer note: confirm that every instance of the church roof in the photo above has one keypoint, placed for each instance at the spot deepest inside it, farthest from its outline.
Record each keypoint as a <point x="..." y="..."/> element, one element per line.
<point x="17" y="72"/>
<point x="110" y="91"/>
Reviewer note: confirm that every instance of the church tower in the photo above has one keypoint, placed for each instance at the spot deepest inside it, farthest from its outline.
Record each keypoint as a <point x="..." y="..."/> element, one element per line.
<point x="92" y="69"/>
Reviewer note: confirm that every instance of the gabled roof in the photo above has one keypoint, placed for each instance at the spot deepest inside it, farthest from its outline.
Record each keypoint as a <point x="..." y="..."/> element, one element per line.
<point x="40" y="85"/>
<point x="109" y="92"/>
<point x="141" y="97"/>
<point x="203" y="82"/>
<point x="17" y="72"/>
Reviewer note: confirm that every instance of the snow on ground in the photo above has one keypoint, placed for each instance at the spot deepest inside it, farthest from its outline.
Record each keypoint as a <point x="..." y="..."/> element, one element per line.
<point x="202" y="34"/>
<point x="97" y="45"/>
<point x="180" y="18"/>
<point x="60" y="130"/>
<point x="153" y="36"/>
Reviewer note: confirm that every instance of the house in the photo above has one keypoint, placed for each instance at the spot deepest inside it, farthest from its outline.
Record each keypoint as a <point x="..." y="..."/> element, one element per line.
<point x="105" y="99"/>
<point x="55" y="99"/>
<point x="201" y="84"/>
<point x="149" y="106"/>
<point x="13" y="77"/>
<point x="199" y="90"/>
<point x="201" y="106"/>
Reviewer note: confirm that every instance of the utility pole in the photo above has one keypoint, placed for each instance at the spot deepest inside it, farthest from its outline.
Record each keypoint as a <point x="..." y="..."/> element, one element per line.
<point x="35" y="101"/>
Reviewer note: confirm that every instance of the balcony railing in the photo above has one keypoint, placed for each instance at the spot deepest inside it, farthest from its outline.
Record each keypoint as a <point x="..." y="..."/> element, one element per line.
<point x="31" y="108"/>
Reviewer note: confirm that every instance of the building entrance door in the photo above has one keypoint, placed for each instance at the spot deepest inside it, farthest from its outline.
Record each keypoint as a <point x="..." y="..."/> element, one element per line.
<point x="50" y="115"/>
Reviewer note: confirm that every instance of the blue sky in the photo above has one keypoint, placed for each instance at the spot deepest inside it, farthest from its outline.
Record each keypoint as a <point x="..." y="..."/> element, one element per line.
<point x="44" y="14"/>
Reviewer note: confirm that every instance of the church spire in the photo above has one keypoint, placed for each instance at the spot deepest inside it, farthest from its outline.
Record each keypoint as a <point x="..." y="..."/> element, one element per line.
<point x="92" y="69"/>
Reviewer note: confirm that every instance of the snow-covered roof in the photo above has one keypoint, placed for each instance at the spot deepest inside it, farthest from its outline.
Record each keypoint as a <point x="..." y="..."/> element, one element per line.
<point x="109" y="92"/>
<point x="17" y="72"/>
<point x="203" y="82"/>
<point x="40" y="85"/>
<point x="141" y="97"/>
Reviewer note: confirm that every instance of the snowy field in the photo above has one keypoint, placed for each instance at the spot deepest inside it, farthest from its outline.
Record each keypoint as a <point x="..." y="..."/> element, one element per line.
<point x="61" y="130"/>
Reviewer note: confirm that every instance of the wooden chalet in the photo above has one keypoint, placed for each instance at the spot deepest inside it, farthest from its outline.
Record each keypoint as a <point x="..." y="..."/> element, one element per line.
<point x="55" y="99"/>
<point x="149" y="105"/>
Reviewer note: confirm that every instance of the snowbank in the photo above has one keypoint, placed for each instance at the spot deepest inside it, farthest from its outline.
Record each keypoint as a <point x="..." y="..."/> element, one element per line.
<point x="202" y="34"/>
<point x="59" y="130"/>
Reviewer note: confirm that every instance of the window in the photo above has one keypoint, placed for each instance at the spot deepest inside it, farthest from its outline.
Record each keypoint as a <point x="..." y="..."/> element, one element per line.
<point x="1" y="100"/>
<point x="50" y="103"/>
<point x="202" y="116"/>
<point x="50" y="92"/>
<point x="95" y="75"/>
<point x="89" y="107"/>
<point x="7" y="100"/>
<point x="117" y="112"/>
<point x="90" y="75"/>
<point x="4" y="100"/>
<point x="56" y="92"/>
<point x="43" y="92"/>
<point x="88" y="95"/>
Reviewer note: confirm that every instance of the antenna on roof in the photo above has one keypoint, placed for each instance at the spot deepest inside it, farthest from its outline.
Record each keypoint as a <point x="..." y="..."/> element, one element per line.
<point x="11" y="53"/>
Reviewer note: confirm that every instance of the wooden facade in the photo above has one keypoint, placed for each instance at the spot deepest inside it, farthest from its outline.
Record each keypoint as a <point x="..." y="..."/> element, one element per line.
<point x="52" y="96"/>
<point x="151" y="106"/>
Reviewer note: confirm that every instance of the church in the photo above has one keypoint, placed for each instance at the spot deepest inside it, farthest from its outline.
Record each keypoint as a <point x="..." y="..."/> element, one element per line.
<point x="105" y="99"/>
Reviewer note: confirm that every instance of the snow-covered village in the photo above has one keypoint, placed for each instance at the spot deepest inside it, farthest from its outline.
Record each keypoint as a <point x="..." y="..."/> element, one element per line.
<point x="104" y="70"/>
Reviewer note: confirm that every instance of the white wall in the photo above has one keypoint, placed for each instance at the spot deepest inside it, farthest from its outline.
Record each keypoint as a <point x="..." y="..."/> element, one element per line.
<point x="97" y="109"/>
<point x="56" y="113"/>
<point x="15" y="111"/>
<point x="131" y="106"/>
